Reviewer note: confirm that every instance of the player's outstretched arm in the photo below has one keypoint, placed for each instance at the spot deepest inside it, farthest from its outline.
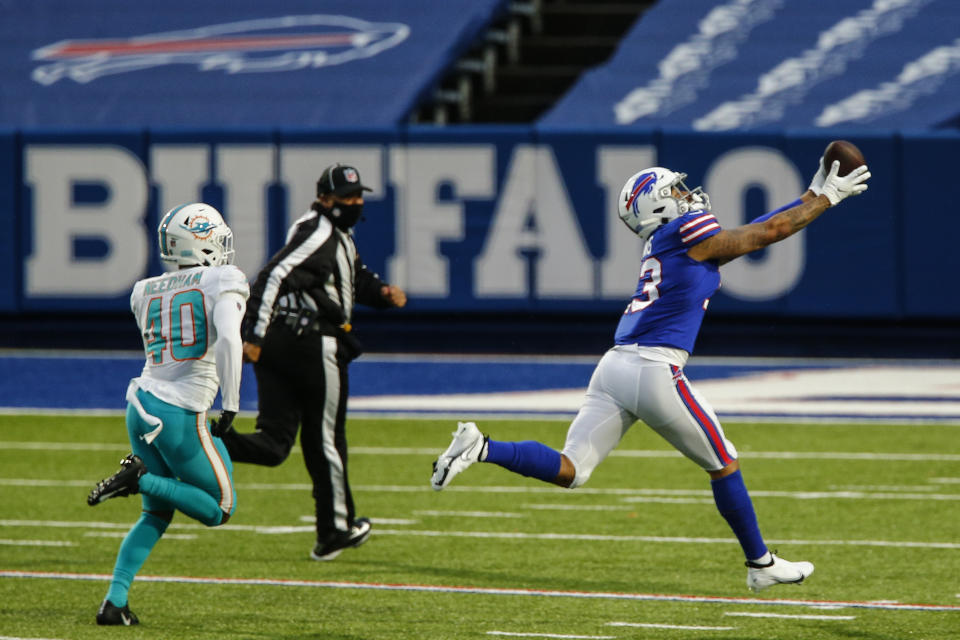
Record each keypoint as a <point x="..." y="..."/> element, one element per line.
<point x="731" y="244"/>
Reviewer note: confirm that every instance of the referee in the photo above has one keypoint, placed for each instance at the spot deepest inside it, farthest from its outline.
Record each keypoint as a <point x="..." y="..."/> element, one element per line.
<point x="297" y="333"/>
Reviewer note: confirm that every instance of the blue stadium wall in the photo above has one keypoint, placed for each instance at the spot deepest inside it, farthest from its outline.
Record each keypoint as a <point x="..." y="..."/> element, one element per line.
<point x="489" y="229"/>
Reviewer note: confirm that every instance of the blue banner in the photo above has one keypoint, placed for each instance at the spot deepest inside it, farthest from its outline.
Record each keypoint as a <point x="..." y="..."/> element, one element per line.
<point x="928" y="252"/>
<point x="245" y="63"/>
<point x="480" y="219"/>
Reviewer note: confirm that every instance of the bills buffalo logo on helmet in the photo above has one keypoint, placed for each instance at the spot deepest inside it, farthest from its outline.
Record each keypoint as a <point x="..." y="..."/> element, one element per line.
<point x="287" y="43"/>
<point x="643" y="185"/>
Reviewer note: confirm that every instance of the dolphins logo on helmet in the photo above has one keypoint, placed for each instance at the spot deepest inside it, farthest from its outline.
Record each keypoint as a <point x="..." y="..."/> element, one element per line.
<point x="200" y="226"/>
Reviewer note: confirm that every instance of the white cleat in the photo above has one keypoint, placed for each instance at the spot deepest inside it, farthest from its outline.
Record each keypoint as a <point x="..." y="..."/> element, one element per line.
<point x="465" y="449"/>
<point x="779" y="571"/>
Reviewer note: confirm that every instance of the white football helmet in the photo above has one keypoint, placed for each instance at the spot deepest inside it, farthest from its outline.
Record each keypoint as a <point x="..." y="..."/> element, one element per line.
<point x="654" y="197"/>
<point x="195" y="235"/>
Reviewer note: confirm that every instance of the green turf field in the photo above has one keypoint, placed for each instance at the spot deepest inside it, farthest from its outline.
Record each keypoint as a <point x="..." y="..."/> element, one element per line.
<point x="638" y="553"/>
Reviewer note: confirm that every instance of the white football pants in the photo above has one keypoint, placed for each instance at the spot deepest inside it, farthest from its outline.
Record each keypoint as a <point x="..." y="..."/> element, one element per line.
<point x="626" y="387"/>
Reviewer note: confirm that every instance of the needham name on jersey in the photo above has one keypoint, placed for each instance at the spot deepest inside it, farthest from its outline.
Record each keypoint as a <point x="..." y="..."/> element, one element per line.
<point x="176" y="281"/>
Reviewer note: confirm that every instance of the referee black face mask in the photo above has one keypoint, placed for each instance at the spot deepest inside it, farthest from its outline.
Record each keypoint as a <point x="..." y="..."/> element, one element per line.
<point x="345" y="215"/>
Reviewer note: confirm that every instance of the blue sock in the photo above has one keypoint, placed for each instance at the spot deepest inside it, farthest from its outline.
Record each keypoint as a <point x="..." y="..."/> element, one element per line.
<point x="735" y="506"/>
<point x="134" y="549"/>
<point x="528" y="458"/>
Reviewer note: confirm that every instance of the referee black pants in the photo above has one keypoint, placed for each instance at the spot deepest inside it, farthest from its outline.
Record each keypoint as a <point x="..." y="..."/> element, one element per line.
<point x="302" y="381"/>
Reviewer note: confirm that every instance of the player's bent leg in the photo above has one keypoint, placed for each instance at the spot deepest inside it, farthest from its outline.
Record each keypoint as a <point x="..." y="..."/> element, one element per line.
<point x="193" y="469"/>
<point x="279" y="416"/>
<point x="594" y="433"/>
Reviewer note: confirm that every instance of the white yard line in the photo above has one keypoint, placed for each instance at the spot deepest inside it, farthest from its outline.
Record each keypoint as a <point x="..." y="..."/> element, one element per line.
<point x="657" y="597"/>
<point x="123" y="534"/>
<point x="667" y="496"/>
<point x="834" y="495"/>
<point x="36" y="543"/>
<point x="470" y="514"/>
<point x="514" y="535"/>
<point x="654" y="625"/>
<point x="753" y="614"/>
<point x="578" y="507"/>
<point x="508" y="535"/>
<point x="613" y="507"/>
<point x="531" y="634"/>
<point x="619" y="453"/>
<point x="378" y="521"/>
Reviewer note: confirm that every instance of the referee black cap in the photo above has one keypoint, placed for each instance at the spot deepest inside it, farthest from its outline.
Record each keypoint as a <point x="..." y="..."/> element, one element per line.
<point x="340" y="180"/>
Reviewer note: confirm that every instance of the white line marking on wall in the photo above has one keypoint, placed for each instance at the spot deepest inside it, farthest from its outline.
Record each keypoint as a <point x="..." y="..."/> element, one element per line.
<point x="754" y="614"/>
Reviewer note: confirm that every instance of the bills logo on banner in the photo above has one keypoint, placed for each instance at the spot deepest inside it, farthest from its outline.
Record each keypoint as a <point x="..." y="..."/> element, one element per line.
<point x="287" y="43"/>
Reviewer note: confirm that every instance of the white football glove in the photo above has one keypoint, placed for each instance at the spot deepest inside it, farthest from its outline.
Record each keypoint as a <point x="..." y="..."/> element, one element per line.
<point x="837" y="188"/>
<point x="816" y="185"/>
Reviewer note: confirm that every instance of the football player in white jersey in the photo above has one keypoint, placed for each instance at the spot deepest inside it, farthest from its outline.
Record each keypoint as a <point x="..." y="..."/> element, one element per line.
<point x="189" y="319"/>
<point x="641" y="377"/>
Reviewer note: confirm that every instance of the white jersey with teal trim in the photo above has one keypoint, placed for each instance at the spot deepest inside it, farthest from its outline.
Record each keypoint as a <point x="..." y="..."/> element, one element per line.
<point x="181" y="315"/>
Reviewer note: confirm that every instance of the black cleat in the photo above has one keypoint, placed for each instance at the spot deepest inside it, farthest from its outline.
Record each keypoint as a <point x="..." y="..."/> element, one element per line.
<point x="121" y="484"/>
<point x="111" y="614"/>
<point x="355" y="537"/>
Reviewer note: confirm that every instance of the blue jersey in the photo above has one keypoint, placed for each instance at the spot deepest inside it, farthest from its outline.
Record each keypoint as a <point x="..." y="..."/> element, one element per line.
<point x="674" y="289"/>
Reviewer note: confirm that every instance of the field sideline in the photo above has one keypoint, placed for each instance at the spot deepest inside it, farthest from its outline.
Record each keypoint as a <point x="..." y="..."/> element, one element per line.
<point x="638" y="553"/>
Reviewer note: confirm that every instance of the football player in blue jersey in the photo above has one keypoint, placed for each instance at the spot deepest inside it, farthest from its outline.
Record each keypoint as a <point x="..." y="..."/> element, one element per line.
<point x="641" y="377"/>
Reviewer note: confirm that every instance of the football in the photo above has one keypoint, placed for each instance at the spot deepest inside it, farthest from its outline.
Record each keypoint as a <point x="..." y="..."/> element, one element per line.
<point x="846" y="152"/>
